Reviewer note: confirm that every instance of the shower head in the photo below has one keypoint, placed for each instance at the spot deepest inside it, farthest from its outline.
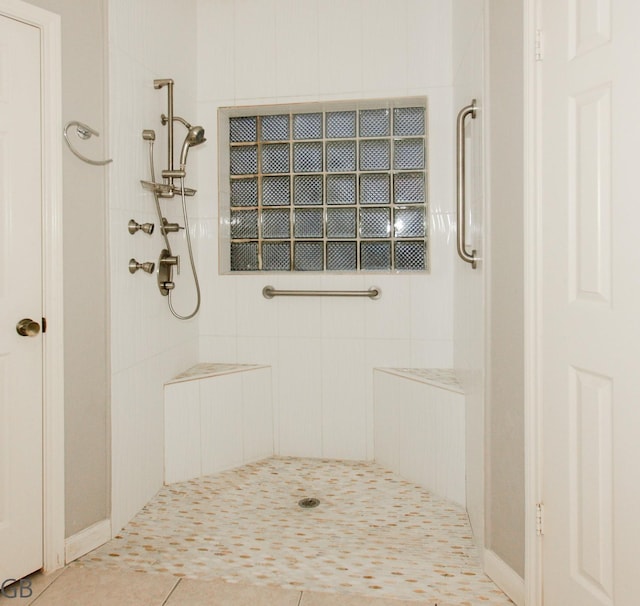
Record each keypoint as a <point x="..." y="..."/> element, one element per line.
<point x="195" y="136"/>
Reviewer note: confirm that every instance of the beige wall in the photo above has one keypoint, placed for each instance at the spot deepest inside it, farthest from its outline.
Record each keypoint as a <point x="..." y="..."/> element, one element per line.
<point x="505" y="401"/>
<point x="85" y="267"/>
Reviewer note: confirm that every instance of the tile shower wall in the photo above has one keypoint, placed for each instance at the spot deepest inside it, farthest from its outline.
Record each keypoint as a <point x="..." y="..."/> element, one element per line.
<point x="469" y="284"/>
<point x="147" y="39"/>
<point x="323" y="350"/>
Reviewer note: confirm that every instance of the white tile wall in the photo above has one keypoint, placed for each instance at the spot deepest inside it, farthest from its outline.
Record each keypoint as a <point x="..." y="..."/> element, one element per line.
<point x="297" y="73"/>
<point x="343" y="398"/>
<point x="297" y="50"/>
<point x="137" y="430"/>
<point x="216" y="423"/>
<point x="182" y="440"/>
<point x="257" y="415"/>
<point x="255" y="315"/>
<point x="221" y="423"/>
<point x="467" y="19"/>
<point x="429" y="42"/>
<point x="384" y="66"/>
<point x="216" y="21"/>
<point x="469" y="284"/>
<point x="254" y="49"/>
<point x="300" y="397"/>
<point x="219" y="349"/>
<point x="386" y="422"/>
<point x="147" y="39"/>
<point x="339" y="34"/>
<point x="420" y="434"/>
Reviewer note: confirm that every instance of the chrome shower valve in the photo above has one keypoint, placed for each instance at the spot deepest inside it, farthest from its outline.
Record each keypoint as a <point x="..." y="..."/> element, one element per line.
<point x="170" y="227"/>
<point x="134" y="226"/>
<point x="147" y="267"/>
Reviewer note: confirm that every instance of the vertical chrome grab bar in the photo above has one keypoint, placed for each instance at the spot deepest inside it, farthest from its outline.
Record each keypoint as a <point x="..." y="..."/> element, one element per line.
<point x="460" y="174"/>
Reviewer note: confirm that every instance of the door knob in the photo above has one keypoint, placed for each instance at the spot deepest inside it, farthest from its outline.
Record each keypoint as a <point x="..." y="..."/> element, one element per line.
<point x="28" y="328"/>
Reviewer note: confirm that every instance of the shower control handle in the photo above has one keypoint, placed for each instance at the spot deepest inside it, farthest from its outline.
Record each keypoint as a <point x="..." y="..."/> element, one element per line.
<point x="172" y="260"/>
<point x="147" y="267"/>
<point x="134" y="226"/>
<point x="170" y="227"/>
<point x="166" y="263"/>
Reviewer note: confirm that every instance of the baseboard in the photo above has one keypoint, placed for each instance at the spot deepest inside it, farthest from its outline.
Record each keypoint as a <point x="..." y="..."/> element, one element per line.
<point x="87" y="540"/>
<point x="504" y="577"/>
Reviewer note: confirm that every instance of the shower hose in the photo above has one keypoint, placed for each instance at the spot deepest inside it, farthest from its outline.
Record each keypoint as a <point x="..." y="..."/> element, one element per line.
<point x="166" y="239"/>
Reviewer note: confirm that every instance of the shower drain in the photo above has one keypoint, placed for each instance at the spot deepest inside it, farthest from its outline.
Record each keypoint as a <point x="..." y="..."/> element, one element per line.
<point x="309" y="503"/>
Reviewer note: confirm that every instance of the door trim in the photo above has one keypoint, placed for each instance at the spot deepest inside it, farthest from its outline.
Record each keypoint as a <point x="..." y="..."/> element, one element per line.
<point x="52" y="304"/>
<point x="532" y="305"/>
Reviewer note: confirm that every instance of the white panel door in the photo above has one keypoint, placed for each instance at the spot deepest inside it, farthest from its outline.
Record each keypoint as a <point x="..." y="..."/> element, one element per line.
<point x="21" y="484"/>
<point x="590" y="342"/>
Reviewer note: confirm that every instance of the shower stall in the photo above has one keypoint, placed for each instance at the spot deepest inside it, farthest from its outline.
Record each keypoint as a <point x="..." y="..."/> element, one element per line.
<point x="322" y="351"/>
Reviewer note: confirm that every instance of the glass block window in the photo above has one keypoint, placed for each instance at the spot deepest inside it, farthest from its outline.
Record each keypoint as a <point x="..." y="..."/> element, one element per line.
<point x="336" y="187"/>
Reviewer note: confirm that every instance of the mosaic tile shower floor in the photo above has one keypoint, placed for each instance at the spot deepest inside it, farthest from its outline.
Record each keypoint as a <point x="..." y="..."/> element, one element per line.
<point x="373" y="534"/>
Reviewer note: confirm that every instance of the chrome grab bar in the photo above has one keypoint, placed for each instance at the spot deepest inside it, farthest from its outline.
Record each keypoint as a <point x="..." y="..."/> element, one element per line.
<point x="460" y="174"/>
<point x="268" y="292"/>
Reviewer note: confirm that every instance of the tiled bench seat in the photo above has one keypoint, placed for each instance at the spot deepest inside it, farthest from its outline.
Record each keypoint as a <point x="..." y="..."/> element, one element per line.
<point x="419" y="428"/>
<point x="216" y="416"/>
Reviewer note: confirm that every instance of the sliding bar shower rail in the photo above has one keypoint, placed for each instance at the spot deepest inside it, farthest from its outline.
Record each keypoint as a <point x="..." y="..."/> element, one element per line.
<point x="469" y="110"/>
<point x="268" y="292"/>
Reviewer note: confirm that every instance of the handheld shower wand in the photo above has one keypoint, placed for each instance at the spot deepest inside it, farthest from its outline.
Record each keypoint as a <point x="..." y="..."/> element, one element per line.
<point x="194" y="137"/>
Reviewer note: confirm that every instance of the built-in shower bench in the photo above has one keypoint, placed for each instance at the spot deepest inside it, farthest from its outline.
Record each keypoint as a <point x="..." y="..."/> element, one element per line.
<point x="216" y="416"/>
<point x="419" y="428"/>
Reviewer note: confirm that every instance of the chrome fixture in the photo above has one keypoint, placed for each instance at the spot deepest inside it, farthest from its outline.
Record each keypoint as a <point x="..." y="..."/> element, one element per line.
<point x="165" y="264"/>
<point x="84" y="132"/>
<point x="28" y="328"/>
<point x="169" y="260"/>
<point x="168" y="189"/>
<point x="134" y="226"/>
<point x="268" y="292"/>
<point x="169" y="227"/>
<point x="195" y="136"/>
<point x="134" y="266"/>
<point x="469" y="110"/>
<point x="158" y="84"/>
<point x="163" y="190"/>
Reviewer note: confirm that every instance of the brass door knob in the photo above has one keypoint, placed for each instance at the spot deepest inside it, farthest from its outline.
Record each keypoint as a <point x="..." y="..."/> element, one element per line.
<point x="28" y="328"/>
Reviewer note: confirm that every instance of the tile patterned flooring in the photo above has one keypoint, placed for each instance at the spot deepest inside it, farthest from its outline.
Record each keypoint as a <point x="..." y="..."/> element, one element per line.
<point x="374" y="539"/>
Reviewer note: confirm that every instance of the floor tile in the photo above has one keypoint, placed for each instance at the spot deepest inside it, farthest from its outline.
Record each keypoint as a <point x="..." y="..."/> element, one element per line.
<point x="373" y="534"/>
<point x="313" y="598"/>
<point x="33" y="586"/>
<point x="80" y="586"/>
<point x="220" y="593"/>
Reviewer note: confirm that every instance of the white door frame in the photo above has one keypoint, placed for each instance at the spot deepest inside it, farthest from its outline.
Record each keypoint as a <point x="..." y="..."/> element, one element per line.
<point x="532" y="304"/>
<point x="52" y="304"/>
